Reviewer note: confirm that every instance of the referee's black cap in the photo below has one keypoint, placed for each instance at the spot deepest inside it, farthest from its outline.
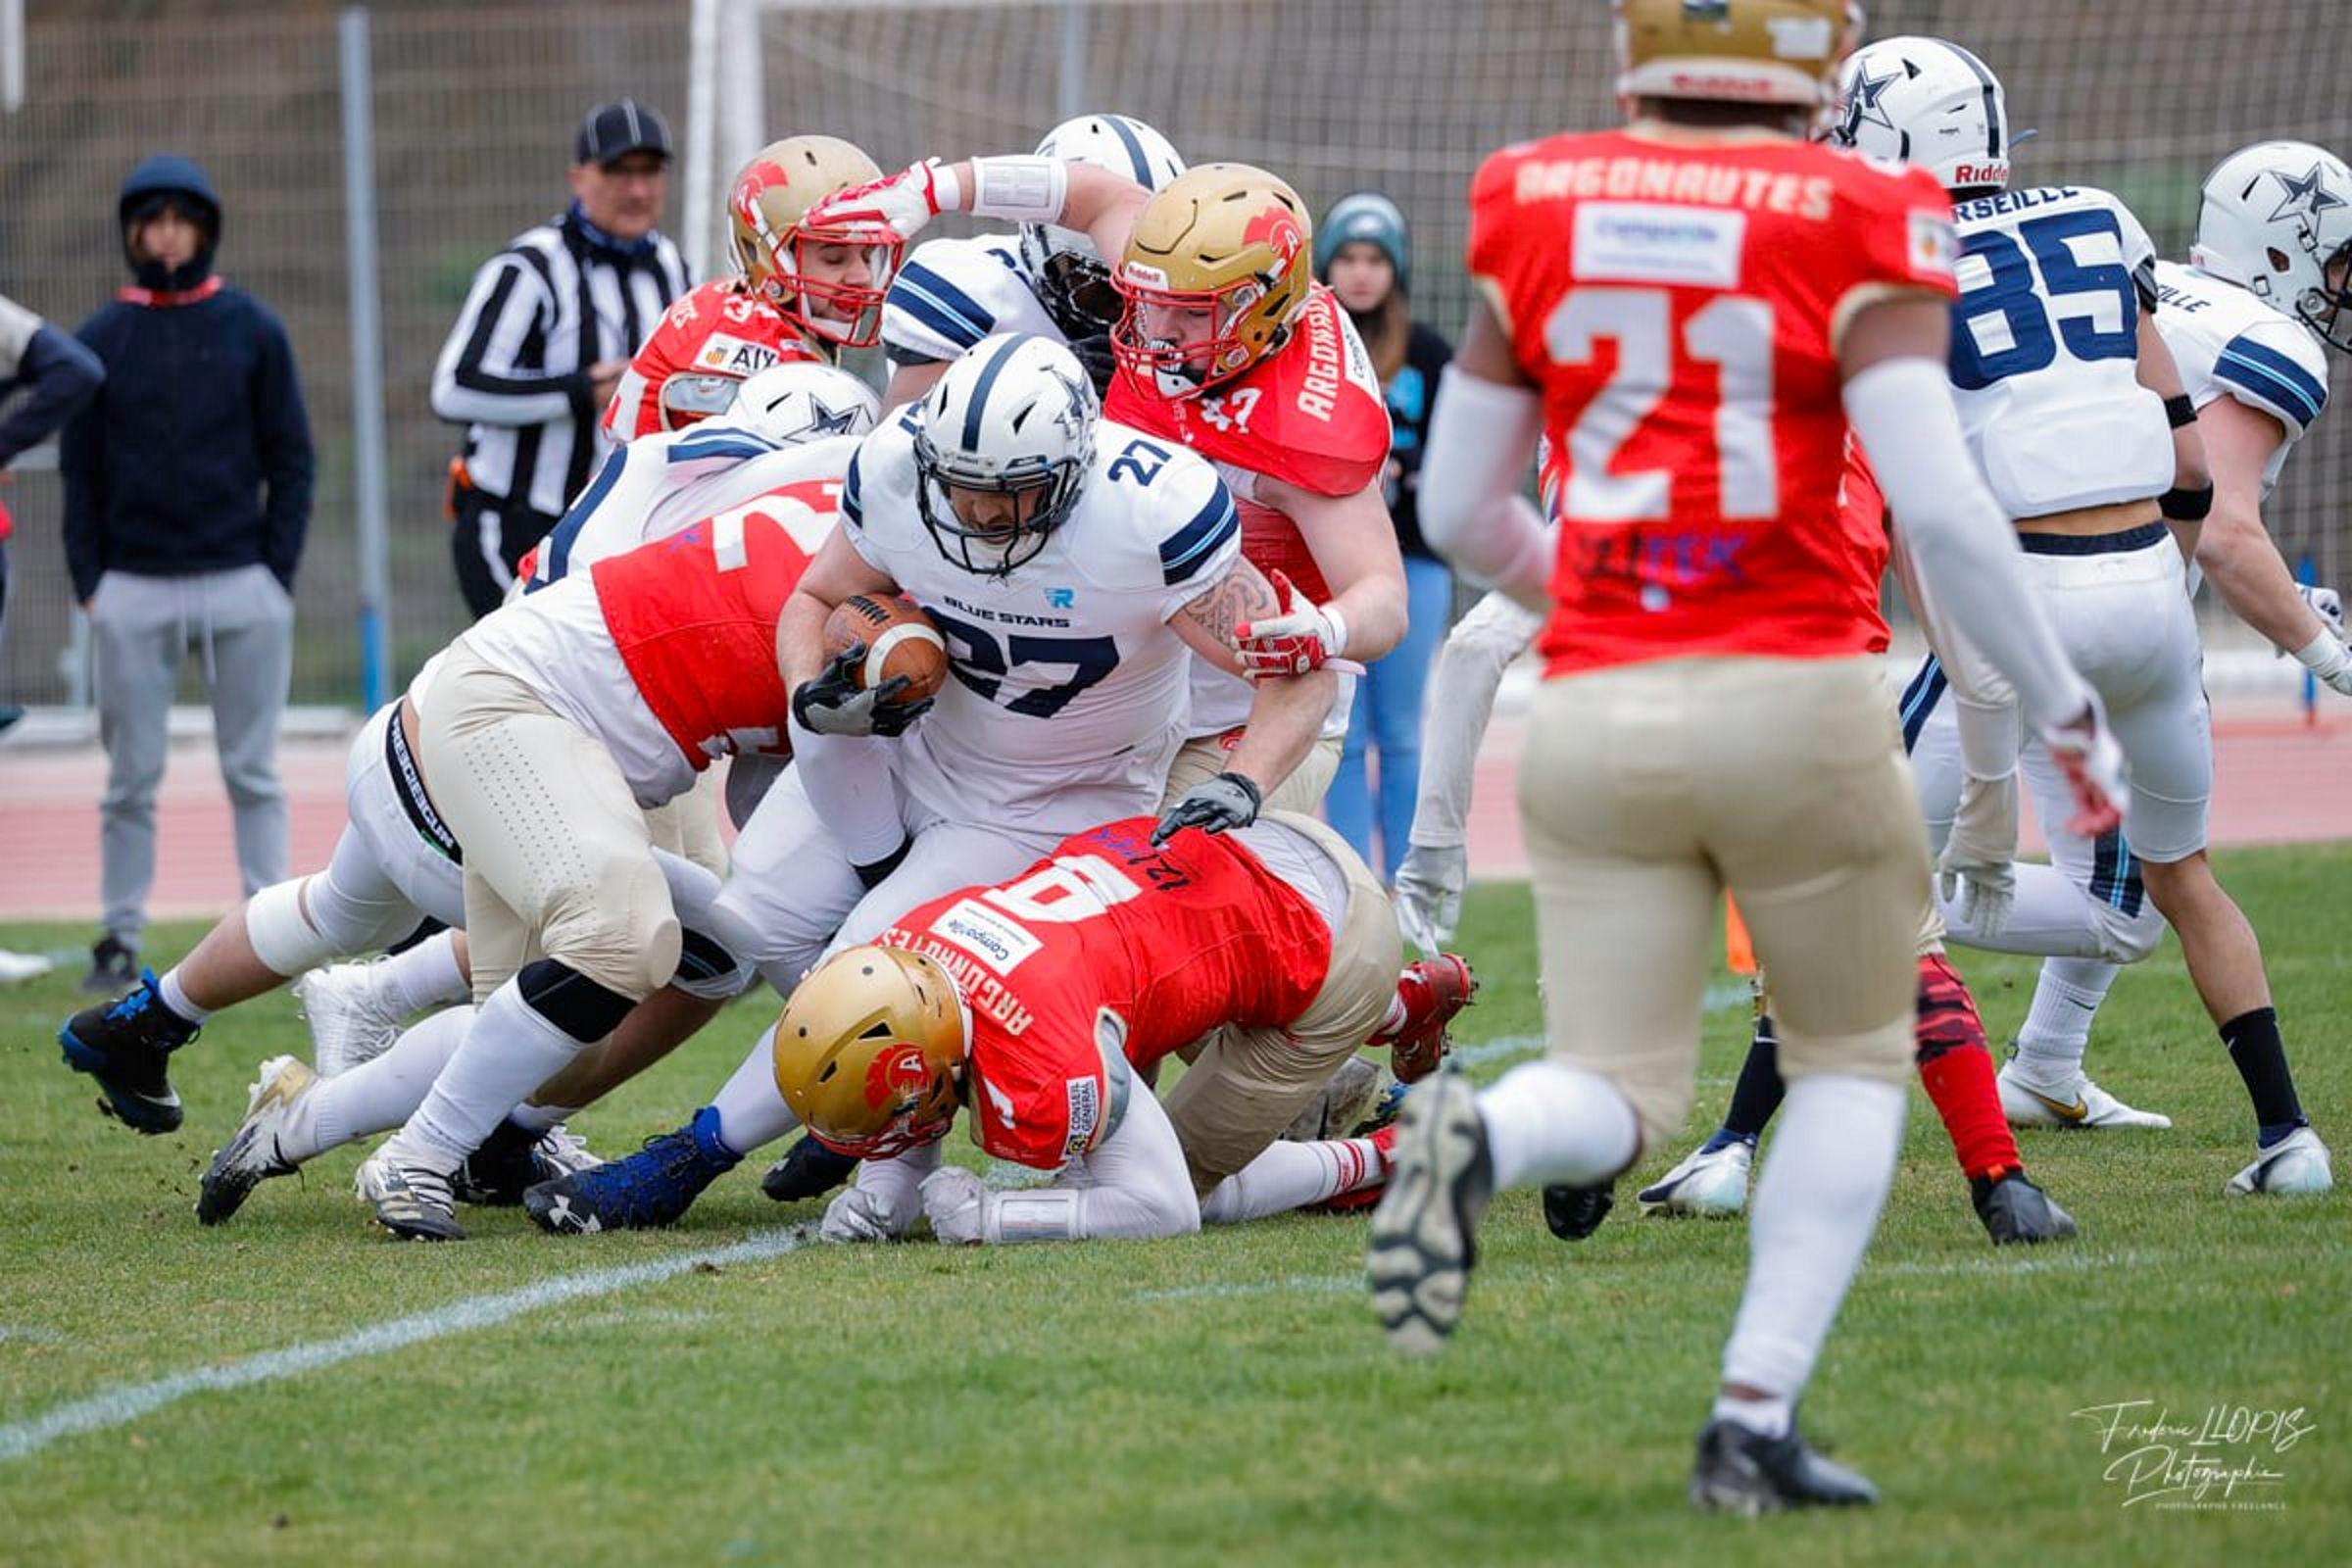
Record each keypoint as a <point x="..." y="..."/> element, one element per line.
<point x="612" y="131"/>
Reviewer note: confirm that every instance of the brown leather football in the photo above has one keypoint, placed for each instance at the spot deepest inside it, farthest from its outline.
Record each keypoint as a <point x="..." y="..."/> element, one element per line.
<point x="899" y="640"/>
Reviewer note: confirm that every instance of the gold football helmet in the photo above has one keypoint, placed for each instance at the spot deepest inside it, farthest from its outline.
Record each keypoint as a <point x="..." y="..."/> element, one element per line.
<point x="1231" y="248"/>
<point x="1732" y="51"/>
<point x="869" y="1053"/>
<point x="765" y="212"/>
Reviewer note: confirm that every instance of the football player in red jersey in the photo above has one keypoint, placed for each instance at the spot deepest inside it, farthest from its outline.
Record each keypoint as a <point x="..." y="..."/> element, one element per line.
<point x="1693" y="310"/>
<point x="803" y="293"/>
<point x="1228" y="345"/>
<point x="1041" y="1003"/>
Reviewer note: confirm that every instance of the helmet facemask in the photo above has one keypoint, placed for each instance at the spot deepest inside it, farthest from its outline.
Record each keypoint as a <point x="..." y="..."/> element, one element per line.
<point x="1186" y="368"/>
<point x="996" y="550"/>
<point x="1072" y="282"/>
<point x="1013" y="418"/>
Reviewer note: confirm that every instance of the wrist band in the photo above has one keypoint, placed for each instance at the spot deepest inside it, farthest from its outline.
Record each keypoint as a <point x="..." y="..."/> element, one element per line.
<point x="2180" y="411"/>
<point x="1023" y="189"/>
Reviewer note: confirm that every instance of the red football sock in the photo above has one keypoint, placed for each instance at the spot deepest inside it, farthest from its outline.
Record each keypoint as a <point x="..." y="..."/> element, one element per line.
<point x="1956" y="1069"/>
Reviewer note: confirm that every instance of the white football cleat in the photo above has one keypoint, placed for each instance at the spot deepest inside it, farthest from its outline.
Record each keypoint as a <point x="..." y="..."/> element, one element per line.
<point x="564" y="1154"/>
<point x="2079" y="1102"/>
<point x="1706" y="1185"/>
<point x="350" y="1021"/>
<point x="2295" y="1166"/>
<point x="251" y="1158"/>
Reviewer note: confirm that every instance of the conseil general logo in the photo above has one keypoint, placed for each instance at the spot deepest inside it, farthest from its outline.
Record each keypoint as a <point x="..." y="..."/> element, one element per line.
<point x="2222" y="1457"/>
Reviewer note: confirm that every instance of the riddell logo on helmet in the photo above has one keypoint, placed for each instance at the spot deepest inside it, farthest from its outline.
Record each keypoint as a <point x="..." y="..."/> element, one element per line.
<point x="895" y="1076"/>
<point x="1278" y="228"/>
<point x="1981" y="174"/>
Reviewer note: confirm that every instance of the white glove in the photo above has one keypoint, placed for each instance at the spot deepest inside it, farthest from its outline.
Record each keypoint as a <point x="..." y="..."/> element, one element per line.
<point x="1302" y="635"/>
<point x="954" y="1201"/>
<point x="889" y="211"/>
<point x="1978" y="867"/>
<point x="2324" y="603"/>
<point x="862" y="1214"/>
<point x="2329" y="660"/>
<point x="2085" y="752"/>
<point x="1429" y="894"/>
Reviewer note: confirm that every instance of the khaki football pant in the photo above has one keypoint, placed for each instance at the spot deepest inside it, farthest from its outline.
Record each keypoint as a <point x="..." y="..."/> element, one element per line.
<point x="1247" y="1085"/>
<point x="558" y="859"/>
<point x="1650" y="789"/>
<point x="1204" y="757"/>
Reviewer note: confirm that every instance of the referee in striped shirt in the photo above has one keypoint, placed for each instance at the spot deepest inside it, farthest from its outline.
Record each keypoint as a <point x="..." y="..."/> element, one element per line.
<point x="547" y="330"/>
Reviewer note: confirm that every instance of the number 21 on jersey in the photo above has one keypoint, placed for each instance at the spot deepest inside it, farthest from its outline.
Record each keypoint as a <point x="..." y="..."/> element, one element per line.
<point x="1731" y="332"/>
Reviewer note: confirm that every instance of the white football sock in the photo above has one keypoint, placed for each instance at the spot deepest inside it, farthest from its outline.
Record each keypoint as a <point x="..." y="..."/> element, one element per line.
<point x="176" y="997"/>
<point x="1290" y="1176"/>
<point x="375" y="1095"/>
<point x="1772" y="1416"/>
<point x="511" y="1050"/>
<point x="751" y="1107"/>
<point x="1549" y="1123"/>
<point x="426" y="975"/>
<point x="1817" y="1202"/>
<point x="2057" y="1029"/>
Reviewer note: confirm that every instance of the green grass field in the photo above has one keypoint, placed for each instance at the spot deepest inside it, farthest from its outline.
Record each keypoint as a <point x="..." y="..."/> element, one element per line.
<point x="1224" y="1399"/>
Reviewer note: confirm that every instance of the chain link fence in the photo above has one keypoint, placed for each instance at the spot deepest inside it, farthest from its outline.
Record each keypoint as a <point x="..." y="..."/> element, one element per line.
<point x="474" y="108"/>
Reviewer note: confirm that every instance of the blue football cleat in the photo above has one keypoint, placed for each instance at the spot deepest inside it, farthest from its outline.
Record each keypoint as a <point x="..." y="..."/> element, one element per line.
<point x="652" y="1187"/>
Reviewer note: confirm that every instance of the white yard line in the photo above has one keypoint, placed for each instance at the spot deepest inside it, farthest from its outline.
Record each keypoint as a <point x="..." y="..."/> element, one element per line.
<point x="112" y="1407"/>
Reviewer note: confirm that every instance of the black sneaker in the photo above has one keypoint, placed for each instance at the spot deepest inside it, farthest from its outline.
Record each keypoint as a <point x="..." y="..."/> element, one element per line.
<point x="808" y="1169"/>
<point x="1576" y="1212"/>
<point x="498" y="1174"/>
<point x="114" y="968"/>
<point x="1742" y="1471"/>
<point x="2015" y="1211"/>
<point x="1425" y="1232"/>
<point x="123" y="1045"/>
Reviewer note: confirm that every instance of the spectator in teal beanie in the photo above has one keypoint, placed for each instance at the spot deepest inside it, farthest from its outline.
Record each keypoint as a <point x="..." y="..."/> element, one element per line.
<point x="1361" y="256"/>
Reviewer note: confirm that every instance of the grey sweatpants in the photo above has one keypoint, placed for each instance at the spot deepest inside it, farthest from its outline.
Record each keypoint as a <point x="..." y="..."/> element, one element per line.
<point x="240" y="624"/>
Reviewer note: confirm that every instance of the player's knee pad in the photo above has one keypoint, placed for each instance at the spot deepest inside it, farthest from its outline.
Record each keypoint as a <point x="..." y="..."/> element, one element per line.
<point x="282" y="939"/>
<point x="619" y="929"/>
<point x="582" y="1008"/>
<point x="707" y="969"/>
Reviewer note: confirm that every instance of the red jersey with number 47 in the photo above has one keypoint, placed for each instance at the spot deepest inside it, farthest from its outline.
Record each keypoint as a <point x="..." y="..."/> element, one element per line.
<point x="1311" y="414"/>
<point x="1107" y="956"/>
<point x="1679" y="307"/>
<point x="710" y="340"/>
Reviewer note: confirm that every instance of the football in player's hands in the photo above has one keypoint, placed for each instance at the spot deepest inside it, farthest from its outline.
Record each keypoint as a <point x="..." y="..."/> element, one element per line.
<point x="899" y="640"/>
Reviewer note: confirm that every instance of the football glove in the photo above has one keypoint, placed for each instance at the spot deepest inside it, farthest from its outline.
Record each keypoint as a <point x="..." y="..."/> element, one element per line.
<point x="2328" y="659"/>
<point x="1102" y="366"/>
<point x="954" y="1201"/>
<point x="2324" y="603"/>
<point x="832" y="704"/>
<point x="2086" y="754"/>
<point x="1213" y="805"/>
<point x="1302" y="635"/>
<point x="1977" y="868"/>
<point x="1429" y="894"/>
<point x="894" y="207"/>
<point x="862" y="1214"/>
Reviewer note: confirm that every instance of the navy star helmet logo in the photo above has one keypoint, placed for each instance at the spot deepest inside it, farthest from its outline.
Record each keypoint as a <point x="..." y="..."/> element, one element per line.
<point x="1863" y="107"/>
<point x="1072" y="420"/>
<point x="2308" y="196"/>
<point x="829" y="420"/>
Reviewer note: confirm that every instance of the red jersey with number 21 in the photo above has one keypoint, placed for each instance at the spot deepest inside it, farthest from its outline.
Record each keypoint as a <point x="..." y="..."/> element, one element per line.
<point x="1679" y="305"/>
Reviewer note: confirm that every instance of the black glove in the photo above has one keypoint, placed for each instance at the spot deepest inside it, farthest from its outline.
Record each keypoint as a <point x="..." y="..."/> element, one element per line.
<point x="1101" y="363"/>
<point x="832" y="704"/>
<point x="1213" y="805"/>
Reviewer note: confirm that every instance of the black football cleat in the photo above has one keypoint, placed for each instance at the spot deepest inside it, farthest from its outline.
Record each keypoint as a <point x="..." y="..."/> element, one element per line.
<point x="2014" y="1211"/>
<point x="808" y="1169"/>
<point x="125" y="1045"/>
<point x="1576" y="1212"/>
<point x="1743" y="1471"/>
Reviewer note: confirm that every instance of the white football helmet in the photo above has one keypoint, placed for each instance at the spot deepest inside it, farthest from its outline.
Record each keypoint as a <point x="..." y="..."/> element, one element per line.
<point x="1928" y="102"/>
<point x="2278" y="223"/>
<point x="1014" y="415"/>
<point x="803" y="400"/>
<point x="1072" y="282"/>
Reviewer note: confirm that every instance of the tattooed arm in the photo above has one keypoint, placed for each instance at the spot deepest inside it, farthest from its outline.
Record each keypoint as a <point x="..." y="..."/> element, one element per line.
<point x="1286" y="711"/>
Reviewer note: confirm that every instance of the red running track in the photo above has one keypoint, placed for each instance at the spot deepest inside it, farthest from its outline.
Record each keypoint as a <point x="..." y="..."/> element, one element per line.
<point x="2277" y="780"/>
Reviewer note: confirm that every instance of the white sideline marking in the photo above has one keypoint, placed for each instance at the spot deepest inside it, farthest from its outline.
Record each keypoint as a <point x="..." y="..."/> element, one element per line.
<point x="112" y="1407"/>
<point x="29" y="1333"/>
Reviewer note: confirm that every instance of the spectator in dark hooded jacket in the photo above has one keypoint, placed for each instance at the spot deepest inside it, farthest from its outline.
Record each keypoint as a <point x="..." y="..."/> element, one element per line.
<point x="187" y="496"/>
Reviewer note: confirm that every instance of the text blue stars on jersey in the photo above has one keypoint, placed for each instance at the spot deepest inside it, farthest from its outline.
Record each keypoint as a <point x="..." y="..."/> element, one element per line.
<point x="2272" y="378"/>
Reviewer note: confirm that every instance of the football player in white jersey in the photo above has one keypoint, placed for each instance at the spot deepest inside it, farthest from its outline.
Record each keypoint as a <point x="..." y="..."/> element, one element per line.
<point x="1074" y="567"/>
<point x="2264" y="287"/>
<point x="1045" y="279"/>
<point x="2057" y="361"/>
